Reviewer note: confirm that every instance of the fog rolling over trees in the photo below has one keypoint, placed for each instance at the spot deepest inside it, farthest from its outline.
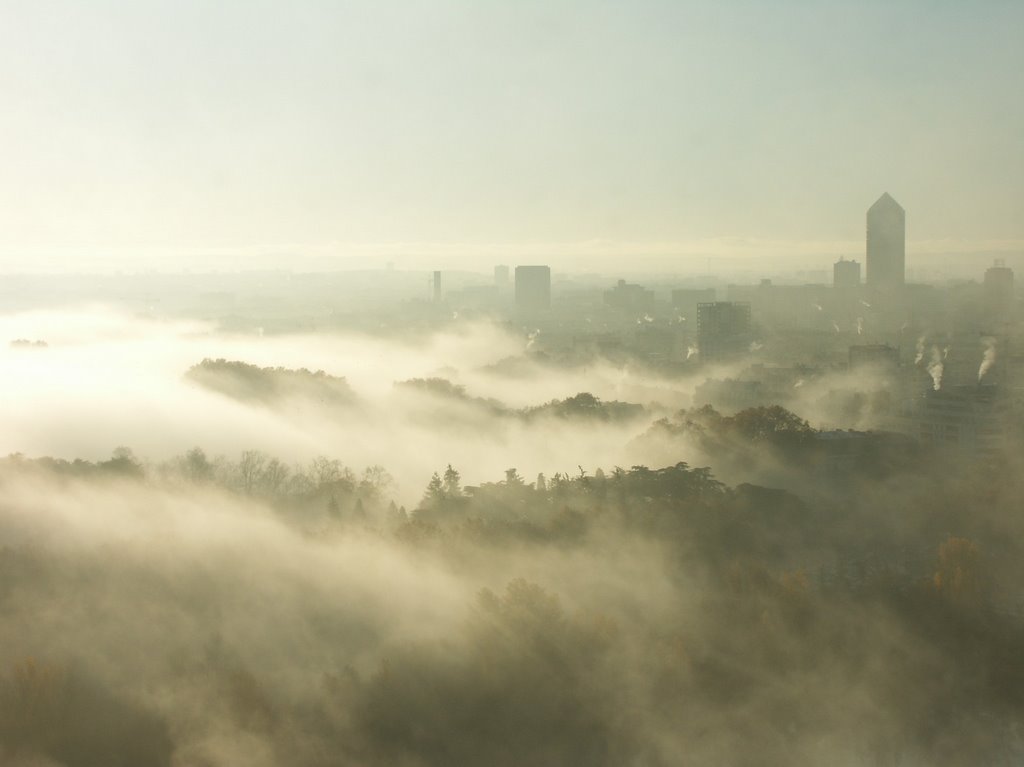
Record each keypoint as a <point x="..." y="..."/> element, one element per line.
<point x="511" y="384"/>
<point x="326" y="548"/>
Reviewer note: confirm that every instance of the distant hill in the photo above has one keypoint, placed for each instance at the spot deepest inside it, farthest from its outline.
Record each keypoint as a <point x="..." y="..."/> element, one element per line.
<point x="586" y="406"/>
<point x="444" y="389"/>
<point x="580" y="406"/>
<point x="270" y="386"/>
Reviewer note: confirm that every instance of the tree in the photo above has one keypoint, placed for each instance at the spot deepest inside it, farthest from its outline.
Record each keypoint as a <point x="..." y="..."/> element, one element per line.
<point x="324" y="471"/>
<point x="375" y="481"/>
<point x="583" y="403"/>
<point x="124" y="462"/>
<point x="250" y="468"/>
<point x="452" y="488"/>
<point x="759" y="423"/>
<point x="434" y="493"/>
<point x="196" y="466"/>
<point x="273" y="477"/>
<point x="299" y="483"/>
<point x="396" y="515"/>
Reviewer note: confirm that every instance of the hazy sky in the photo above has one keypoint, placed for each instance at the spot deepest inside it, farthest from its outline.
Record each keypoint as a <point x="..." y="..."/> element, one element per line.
<point x="146" y="129"/>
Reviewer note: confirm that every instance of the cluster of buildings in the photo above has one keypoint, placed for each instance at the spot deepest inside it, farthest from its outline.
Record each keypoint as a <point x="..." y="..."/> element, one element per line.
<point x="945" y="355"/>
<point x="948" y="362"/>
<point x="532" y="289"/>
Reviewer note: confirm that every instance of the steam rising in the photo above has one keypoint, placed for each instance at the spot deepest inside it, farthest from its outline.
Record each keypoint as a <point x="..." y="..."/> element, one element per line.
<point x="936" y="366"/>
<point x="988" y="356"/>
<point x="359" y="571"/>
<point x="410" y="502"/>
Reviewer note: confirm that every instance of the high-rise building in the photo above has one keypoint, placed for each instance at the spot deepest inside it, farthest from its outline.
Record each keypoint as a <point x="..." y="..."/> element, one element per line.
<point x="999" y="287"/>
<point x="533" y="287"/>
<point x="437" y="287"/>
<point x="723" y="329"/>
<point x="846" y="274"/>
<point x="628" y="297"/>
<point x="501" y="275"/>
<point x="886" y="244"/>
<point x="971" y="419"/>
<point x="686" y="299"/>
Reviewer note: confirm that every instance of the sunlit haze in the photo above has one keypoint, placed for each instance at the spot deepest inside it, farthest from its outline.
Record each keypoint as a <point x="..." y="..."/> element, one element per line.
<point x="511" y="384"/>
<point x="325" y="135"/>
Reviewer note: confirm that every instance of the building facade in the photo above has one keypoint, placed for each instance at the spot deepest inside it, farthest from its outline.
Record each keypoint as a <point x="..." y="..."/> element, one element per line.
<point x="533" y="288"/>
<point x="630" y="298"/>
<point x="886" y="244"/>
<point x="723" y="330"/>
<point x="846" y="274"/>
<point x="999" y="289"/>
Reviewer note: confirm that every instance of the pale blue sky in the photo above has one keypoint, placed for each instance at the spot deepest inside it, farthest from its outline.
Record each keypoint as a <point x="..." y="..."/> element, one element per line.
<point x="153" y="127"/>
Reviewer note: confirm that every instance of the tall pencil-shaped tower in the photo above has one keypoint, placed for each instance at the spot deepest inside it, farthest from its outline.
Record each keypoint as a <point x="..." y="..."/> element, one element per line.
<point x="886" y="244"/>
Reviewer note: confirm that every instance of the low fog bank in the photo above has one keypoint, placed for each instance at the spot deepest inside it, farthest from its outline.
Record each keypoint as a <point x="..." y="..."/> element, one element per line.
<point x="471" y="397"/>
<point x="335" y="549"/>
<point x="104" y="380"/>
<point x="192" y="612"/>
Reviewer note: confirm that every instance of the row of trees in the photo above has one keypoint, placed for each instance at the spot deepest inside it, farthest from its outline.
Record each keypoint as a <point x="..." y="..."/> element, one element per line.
<point x="668" y="617"/>
<point x="270" y="386"/>
<point x="583" y="405"/>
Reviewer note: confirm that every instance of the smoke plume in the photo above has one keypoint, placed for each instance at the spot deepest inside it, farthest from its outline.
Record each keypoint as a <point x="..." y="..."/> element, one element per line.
<point x="937" y="366"/>
<point x="988" y="358"/>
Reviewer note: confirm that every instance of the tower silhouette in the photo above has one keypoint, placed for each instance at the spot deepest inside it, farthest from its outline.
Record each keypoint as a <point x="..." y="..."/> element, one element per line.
<point x="886" y="244"/>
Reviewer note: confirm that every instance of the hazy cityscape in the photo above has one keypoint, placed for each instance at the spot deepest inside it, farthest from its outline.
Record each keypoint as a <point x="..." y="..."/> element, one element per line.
<point x="429" y="384"/>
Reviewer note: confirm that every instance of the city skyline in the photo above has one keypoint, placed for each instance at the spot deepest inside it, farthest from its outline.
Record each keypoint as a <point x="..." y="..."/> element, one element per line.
<point x="539" y="382"/>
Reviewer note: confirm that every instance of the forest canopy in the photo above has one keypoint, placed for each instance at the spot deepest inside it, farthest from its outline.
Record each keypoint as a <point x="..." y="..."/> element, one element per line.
<point x="613" y="616"/>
